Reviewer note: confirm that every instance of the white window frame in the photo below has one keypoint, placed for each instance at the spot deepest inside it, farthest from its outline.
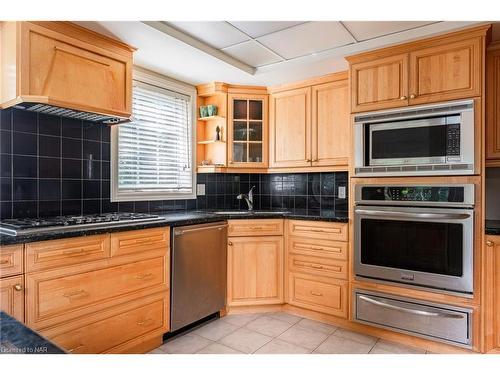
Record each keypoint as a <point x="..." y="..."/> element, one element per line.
<point x="163" y="82"/>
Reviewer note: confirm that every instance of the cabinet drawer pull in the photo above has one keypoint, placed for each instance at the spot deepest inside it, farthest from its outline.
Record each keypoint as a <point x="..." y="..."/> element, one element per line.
<point x="317" y="294"/>
<point x="77" y="293"/>
<point x="256" y="227"/>
<point x="145" y="322"/>
<point x="18" y="287"/>
<point x="403" y="97"/>
<point x="4" y="261"/>
<point x="75" y="348"/>
<point x="413" y="96"/>
<point x="489" y="243"/>
<point x="143" y="276"/>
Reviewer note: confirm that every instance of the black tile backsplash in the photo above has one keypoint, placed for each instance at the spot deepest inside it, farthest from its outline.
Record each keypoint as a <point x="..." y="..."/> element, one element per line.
<point x="51" y="165"/>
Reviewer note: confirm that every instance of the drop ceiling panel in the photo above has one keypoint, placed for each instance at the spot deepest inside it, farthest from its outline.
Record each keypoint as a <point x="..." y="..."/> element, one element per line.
<point x="252" y="53"/>
<point x="363" y="30"/>
<point x="260" y="28"/>
<point x="218" y="34"/>
<point x="307" y="38"/>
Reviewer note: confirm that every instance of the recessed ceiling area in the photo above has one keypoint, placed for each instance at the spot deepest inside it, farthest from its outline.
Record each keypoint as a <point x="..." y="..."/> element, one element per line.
<point x="273" y="52"/>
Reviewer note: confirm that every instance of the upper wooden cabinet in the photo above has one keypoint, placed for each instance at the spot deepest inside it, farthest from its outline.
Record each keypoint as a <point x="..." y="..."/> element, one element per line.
<point x="330" y="124"/>
<point x="437" y="69"/>
<point x="380" y="83"/>
<point x="309" y="126"/>
<point x="247" y="131"/>
<point x="493" y="105"/>
<point x="65" y="65"/>
<point x="290" y="130"/>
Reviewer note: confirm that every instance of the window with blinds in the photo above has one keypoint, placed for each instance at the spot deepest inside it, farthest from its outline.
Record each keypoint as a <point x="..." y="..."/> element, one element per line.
<point x="154" y="151"/>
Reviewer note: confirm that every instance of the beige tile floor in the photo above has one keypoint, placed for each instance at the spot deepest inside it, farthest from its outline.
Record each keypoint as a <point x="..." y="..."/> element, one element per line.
<point x="277" y="333"/>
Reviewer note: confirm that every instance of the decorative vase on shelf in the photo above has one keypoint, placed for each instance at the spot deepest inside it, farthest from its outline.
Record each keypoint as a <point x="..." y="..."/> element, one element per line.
<point x="203" y="111"/>
<point x="211" y="110"/>
<point x="217" y="133"/>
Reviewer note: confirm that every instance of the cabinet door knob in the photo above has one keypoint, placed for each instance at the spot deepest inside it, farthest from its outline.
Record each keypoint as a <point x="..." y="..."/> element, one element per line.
<point x="403" y="97"/>
<point x="308" y="160"/>
<point x="489" y="243"/>
<point x="230" y="243"/>
<point x="18" y="287"/>
<point x="413" y="96"/>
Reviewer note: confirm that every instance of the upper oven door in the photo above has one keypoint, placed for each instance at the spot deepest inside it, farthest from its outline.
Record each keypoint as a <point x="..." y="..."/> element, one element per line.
<point x="426" y="247"/>
<point x="435" y="140"/>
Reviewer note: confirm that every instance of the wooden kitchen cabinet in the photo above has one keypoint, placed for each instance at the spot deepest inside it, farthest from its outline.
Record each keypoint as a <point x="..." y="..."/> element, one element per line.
<point x="290" y="128"/>
<point x="12" y="296"/>
<point x="492" y="254"/>
<point x="379" y="83"/>
<point x="437" y="69"/>
<point x="330" y="124"/>
<point x="446" y="72"/>
<point x="493" y="105"/>
<point x="38" y="58"/>
<point x="11" y="260"/>
<point x="310" y="126"/>
<point x="255" y="271"/>
<point x="247" y="131"/>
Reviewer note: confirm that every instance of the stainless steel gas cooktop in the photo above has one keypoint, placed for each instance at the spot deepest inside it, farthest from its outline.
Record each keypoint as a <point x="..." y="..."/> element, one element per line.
<point x="15" y="227"/>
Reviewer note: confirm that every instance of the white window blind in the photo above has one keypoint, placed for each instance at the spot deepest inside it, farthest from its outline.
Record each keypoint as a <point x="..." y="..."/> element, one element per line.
<point x="155" y="149"/>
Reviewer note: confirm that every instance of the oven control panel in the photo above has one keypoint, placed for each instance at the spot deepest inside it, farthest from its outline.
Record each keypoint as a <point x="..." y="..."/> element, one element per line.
<point x="453" y="194"/>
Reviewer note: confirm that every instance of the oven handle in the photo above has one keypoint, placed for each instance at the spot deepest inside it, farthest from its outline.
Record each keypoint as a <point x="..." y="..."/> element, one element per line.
<point x="411" y="311"/>
<point x="415" y="215"/>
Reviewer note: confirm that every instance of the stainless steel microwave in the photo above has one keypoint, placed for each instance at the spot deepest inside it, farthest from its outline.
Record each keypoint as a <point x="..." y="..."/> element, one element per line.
<point x="435" y="139"/>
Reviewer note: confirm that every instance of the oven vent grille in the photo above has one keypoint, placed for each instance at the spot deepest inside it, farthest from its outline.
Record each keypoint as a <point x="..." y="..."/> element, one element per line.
<point x="416" y="112"/>
<point x="469" y="168"/>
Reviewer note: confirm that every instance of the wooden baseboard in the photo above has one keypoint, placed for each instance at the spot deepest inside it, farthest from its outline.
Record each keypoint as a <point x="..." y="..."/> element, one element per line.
<point x="431" y="346"/>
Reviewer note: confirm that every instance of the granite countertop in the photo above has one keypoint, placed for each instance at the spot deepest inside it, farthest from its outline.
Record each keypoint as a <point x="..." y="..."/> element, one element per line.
<point x="16" y="338"/>
<point x="174" y="219"/>
<point x="493" y="227"/>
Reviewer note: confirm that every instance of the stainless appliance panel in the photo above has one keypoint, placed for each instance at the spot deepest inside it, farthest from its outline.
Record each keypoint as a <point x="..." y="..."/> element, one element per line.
<point x="414" y="117"/>
<point x="199" y="265"/>
<point x="445" y="323"/>
<point x="464" y="217"/>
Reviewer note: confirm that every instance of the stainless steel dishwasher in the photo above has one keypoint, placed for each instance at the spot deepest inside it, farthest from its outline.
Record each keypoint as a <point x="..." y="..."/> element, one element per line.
<point x="199" y="271"/>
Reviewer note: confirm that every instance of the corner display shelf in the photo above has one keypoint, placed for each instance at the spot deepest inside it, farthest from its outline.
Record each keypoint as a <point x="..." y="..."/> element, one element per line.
<point x="209" y="118"/>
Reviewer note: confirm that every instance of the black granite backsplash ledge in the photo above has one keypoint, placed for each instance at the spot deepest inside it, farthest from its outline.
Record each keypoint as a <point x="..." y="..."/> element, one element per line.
<point x="51" y="166"/>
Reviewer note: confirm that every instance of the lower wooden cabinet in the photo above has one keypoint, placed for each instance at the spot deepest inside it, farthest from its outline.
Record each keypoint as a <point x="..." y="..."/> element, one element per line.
<point x="114" y="330"/>
<point x="255" y="270"/>
<point x="12" y="296"/>
<point x="318" y="293"/>
<point x="492" y="253"/>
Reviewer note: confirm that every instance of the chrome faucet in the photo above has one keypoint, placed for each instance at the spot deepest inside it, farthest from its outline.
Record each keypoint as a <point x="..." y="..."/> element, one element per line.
<point x="248" y="198"/>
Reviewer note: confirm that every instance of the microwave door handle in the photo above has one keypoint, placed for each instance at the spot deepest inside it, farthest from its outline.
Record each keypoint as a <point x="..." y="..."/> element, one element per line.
<point x="413" y="215"/>
<point x="411" y="311"/>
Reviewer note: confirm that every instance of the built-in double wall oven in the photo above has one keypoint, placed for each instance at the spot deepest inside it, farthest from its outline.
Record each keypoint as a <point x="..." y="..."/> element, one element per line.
<point x="419" y="235"/>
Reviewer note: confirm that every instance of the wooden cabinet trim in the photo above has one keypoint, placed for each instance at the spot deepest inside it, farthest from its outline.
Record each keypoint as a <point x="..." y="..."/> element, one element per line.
<point x="12" y="296"/>
<point x="11" y="260"/>
<point x="255" y="227"/>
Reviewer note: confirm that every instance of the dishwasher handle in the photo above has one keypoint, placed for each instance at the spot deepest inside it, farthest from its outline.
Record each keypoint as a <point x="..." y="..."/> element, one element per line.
<point x="180" y="232"/>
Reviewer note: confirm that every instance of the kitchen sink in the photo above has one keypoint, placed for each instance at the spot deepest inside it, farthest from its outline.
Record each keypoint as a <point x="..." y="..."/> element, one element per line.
<point x="249" y="213"/>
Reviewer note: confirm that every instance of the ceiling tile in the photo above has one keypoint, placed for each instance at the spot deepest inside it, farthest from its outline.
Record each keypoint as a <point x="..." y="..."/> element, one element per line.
<point x="307" y="38"/>
<point x="218" y="34"/>
<point x="363" y="30"/>
<point x="259" y="28"/>
<point x="252" y="53"/>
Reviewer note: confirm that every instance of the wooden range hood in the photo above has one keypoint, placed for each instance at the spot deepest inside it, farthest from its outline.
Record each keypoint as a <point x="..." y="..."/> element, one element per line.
<point x="63" y="69"/>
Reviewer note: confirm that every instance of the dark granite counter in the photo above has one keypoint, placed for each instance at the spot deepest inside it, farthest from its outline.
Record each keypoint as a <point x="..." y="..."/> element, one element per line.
<point x="16" y="338"/>
<point x="173" y="219"/>
<point x="493" y="227"/>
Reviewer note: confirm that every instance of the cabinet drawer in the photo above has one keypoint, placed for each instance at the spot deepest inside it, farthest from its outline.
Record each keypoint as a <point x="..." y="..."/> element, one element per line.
<point x="64" y="252"/>
<point x="11" y="260"/>
<point x="318" y="230"/>
<point x="319" y="248"/>
<point x="137" y="241"/>
<point x="318" y="266"/>
<point x="319" y="294"/>
<point x="12" y="296"/>
<point x="104" y="331"/>
<point x="255" y="227"/>
<point x="59" y="295"/>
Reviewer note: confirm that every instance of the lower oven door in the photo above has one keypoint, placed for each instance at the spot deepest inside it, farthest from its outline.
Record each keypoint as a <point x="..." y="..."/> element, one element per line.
<point x="428" y="247"/>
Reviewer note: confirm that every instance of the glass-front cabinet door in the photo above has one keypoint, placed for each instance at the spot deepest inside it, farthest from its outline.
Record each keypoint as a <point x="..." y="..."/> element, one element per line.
<point x="247" y="131"/>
